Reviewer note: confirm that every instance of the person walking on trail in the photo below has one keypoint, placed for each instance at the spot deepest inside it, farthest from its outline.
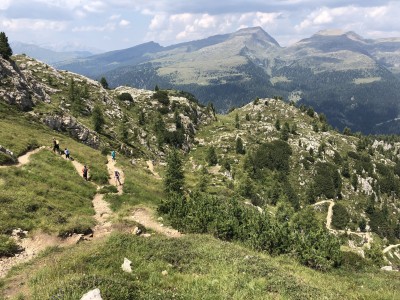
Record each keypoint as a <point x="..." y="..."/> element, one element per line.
<point x="56" y="146"/>
<point x="66" y="152"/>
<point x="117" y="176"/>
<point x="113" y="154"/>
<point x="85" y="171"/>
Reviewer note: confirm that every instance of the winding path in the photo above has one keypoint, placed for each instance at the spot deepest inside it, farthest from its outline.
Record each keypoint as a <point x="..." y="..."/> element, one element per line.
<point x="33" y="245"/>
<point x="24" y="159"/>
<point x="145" y="217"/>
<point x="365" y="235"/>
<point x="390" y="247"/>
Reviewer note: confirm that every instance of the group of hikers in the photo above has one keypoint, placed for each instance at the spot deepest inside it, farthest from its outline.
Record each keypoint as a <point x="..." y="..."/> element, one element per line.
<point x="56" y="149"/>
<point x="85" y="170"/>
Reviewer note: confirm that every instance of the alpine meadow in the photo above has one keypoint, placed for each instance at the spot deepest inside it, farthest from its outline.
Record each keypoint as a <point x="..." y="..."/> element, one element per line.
<point x="223" y="168"/>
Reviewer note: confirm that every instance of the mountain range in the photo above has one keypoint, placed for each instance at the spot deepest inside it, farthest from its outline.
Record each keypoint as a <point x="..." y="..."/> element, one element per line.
<point x="47" y="55"/>
<point x="354" y="81"/>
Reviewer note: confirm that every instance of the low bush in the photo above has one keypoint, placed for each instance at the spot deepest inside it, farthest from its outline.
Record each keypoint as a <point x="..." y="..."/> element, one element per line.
<point x="8" y="246"/>
<point x="125" y="97"/>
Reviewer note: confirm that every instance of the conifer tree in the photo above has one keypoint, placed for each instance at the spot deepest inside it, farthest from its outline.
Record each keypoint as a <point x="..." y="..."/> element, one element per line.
<point x="237" y="122"/>
<point x="239" y="146"/>
<point x="97" y="119"/>
<point x="5" y="49"/>
<point x="174" y="177"/>
<point x="212" y="158"/>
<point x="104" y="83"/>
<point x="123" y="129"/>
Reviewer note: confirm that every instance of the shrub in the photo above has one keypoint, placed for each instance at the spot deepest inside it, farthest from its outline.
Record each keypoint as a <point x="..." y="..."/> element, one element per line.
<point x="125" y="97"/>
<point x="162" y="97"/>
<point x="8" y="247"/>
<point x="108" y="189"/>
<point x="6" y="159"/>
<point x="340" y="217"/>
<point x="327" y="180"/>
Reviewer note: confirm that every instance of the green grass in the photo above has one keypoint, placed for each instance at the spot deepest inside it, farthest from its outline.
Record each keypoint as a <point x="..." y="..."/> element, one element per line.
<point x="45" y="194"/>
<point x="19" y="134"/>
<point x="198" y="266"/>
<point x="140" y="187"/>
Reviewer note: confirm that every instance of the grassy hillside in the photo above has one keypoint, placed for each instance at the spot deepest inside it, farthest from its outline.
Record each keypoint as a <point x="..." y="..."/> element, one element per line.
<point x="197" y="267"/>
<point x="287" y="207"/>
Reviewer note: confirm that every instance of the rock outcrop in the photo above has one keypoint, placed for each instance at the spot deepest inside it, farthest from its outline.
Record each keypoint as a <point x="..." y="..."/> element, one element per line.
<point x="74" y="128"/>
<point x="19" y="88"/>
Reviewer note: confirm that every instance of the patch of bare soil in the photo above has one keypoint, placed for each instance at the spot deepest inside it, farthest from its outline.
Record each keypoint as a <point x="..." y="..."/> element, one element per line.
<point x="145" y="217"/>
<point x="150" y="166"/>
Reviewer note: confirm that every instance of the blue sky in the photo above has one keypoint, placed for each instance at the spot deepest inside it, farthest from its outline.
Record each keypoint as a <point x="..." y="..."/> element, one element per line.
<point x="117" y="24"/>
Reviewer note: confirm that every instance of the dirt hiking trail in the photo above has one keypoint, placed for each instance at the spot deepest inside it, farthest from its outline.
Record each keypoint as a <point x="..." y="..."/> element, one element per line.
<point x="150" y="166"/>
<point x="145" y="217"/>
<point x="39" y="241"/>
<point x="24" y="159"/>
<point x="365" y="235"/>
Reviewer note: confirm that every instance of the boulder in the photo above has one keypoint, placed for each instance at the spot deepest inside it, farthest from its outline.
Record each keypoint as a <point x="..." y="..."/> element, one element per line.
<point x="126" y="266"/>
<point x="92" y="295"/>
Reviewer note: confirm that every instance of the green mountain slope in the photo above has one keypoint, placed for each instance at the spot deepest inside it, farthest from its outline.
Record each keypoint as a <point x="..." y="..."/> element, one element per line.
<point x="354" y="81"/>
<point x="286" y="206"/>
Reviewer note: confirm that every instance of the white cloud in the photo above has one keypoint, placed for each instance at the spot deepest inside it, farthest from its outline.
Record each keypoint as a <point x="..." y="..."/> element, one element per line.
<point x="114" y="17"/>
<point x="124" y="23"/>
<point x="95" y="6"/>
<point x="31" y="25"/>
<point x="5" y="4"/>
<point x="107" y="27"/>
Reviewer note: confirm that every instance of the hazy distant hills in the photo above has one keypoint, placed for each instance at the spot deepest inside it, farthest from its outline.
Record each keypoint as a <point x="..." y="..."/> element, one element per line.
<point x="354" y="81"/>
<point x="47" y="55"/>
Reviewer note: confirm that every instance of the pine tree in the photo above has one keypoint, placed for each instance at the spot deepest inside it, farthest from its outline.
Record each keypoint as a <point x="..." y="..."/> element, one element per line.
<point x="237" y="122"/>
<point x="104" y="83"/>
<point x="5" y="49"/>
<point x="278" y="124"/>
<point x="239" y="146"/>
<point x="142" y="118"/>
<point x="212" y="157"/>
<point x="123" y="129"/>
<point x="174" y="177"/>
<point x="160" y="131"/>
<point x="97" y="118"/>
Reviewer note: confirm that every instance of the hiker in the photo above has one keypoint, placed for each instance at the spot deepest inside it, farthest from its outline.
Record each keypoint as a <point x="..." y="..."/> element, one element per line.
<point x="116" y="176"/>
<point x="85" y="171"/>
<point x="56" y="146"/>
<point x="66" y="151"/>
<point x="113" y="154"/>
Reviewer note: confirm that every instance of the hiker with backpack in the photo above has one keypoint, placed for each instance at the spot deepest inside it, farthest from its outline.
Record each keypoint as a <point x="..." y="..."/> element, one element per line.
<point x="116" y="177"/>
<point x="56" y="146"/>
<point x="66" y="152"/>
<point x="113" y="154"/>
<point x="85" y="171"/>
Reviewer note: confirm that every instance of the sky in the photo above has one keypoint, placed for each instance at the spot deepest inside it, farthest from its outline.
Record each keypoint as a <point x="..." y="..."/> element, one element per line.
<point x="105" y="25"/>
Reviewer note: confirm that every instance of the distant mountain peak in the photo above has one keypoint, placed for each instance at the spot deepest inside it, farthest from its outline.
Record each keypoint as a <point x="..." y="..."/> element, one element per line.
<point x="338" y="32"/>
<point x="257" y="33"/>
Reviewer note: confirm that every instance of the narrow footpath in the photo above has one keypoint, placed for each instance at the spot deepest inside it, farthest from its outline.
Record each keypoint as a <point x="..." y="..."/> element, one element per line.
<point x="32" y="246"/>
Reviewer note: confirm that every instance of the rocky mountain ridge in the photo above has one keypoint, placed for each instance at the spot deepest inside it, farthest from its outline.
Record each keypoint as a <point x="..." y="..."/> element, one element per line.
<point x="354" y="81"/>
